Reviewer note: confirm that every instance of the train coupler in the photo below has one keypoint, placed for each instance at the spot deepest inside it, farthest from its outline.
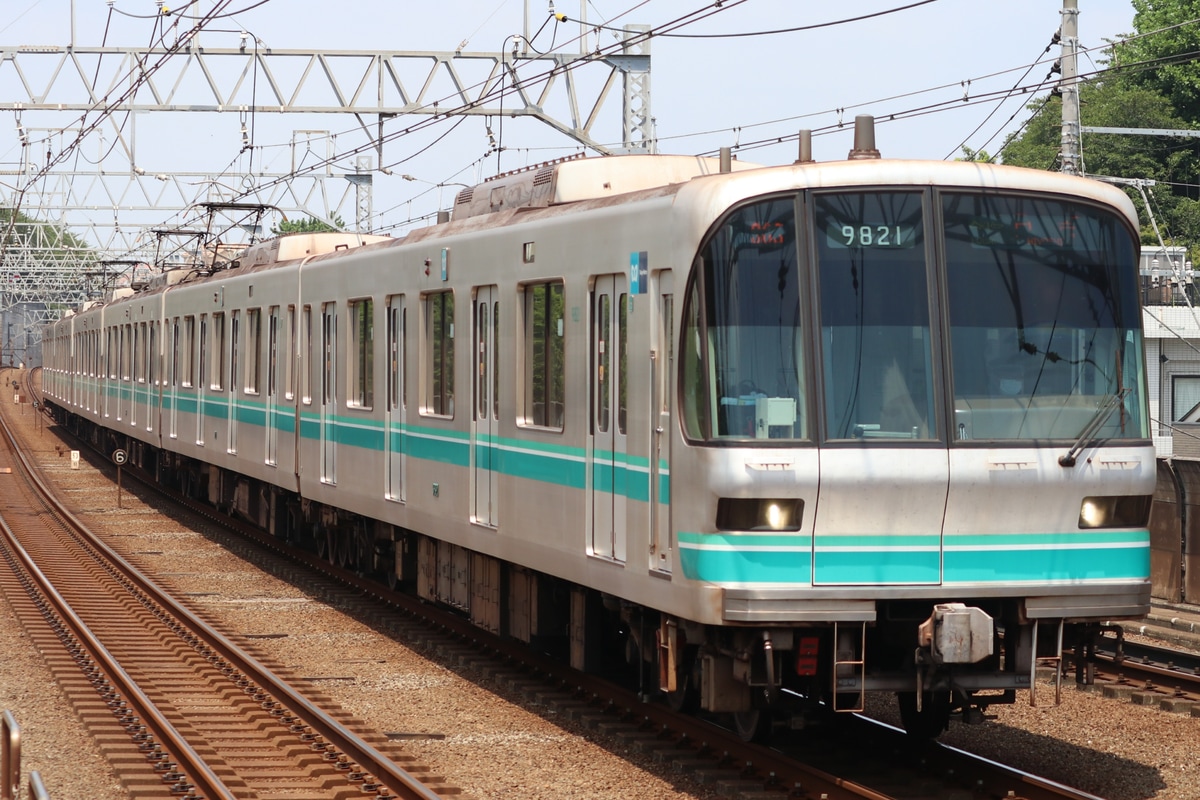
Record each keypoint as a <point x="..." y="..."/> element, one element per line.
<point x="956" y="633"/>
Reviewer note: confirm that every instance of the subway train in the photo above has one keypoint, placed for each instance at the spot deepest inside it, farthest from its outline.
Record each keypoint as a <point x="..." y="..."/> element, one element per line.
<point x="763" y="438"/>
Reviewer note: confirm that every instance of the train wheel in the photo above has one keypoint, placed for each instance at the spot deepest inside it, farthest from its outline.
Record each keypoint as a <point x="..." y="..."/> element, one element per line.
<point x="931" y="720"/>
<point x="321" y="539"/>
<point x="337" y="548"/>
<point x="753" y="725"/>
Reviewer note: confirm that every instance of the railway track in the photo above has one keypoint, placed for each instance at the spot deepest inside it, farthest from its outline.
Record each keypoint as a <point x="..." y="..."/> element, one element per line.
<point x="1148" y="675"/>
<point x="707" y="752"/>
<point x="181" y="709"/>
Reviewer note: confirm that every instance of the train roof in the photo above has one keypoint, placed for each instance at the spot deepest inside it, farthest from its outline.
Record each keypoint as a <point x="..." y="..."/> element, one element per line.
<point x="291" y="246"/>
<point x="577" y="178"/>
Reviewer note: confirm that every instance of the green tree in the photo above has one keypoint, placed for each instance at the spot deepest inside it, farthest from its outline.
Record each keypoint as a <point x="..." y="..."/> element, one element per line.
<point x="1163" y="58"/>
<point x="1121" y="100"/>
<point x="308" y="225"/>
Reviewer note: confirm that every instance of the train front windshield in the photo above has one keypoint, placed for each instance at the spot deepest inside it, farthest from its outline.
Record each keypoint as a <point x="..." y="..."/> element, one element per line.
<point x="1037" y="307"/>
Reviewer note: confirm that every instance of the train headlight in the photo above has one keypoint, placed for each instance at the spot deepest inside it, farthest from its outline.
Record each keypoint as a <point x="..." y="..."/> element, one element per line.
<point x="1125" y="511"/>
<point x="759" y="514"/>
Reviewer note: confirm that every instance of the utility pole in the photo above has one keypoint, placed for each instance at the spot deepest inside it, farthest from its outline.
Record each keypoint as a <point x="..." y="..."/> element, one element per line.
<point x="1069" y="86"/>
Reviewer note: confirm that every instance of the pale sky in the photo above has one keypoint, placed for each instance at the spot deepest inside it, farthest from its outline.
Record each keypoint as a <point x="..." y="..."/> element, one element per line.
<point x="705" y="92"/>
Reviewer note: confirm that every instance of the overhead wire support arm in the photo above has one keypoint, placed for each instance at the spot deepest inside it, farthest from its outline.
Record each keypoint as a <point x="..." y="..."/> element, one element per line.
<point x="215" y="79"/>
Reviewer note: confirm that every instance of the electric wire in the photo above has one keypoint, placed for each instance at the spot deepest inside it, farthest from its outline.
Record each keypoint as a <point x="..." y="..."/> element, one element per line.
<point x="1053" y="40"/>
<point x="748" y="34"/>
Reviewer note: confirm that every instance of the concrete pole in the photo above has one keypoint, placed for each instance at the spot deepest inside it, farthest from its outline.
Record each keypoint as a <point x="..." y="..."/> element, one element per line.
<point x="1070" y="88"/>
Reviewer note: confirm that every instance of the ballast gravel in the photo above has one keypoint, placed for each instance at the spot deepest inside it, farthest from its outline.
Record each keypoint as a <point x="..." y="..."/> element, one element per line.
<point x="481" y="741"/>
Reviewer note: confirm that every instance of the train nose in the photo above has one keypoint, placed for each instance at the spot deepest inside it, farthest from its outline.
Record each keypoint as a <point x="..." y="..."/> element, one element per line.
<point x="957" y="634"/>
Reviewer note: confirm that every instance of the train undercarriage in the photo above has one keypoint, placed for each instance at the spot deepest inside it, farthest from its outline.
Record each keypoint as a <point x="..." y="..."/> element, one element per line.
<point x="940" y="661"/>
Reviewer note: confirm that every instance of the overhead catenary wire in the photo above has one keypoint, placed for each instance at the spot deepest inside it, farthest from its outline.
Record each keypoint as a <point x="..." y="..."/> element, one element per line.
<point x="662" y="30"/>
<point x="659" y="31"/>
<point x="797" y="29"/>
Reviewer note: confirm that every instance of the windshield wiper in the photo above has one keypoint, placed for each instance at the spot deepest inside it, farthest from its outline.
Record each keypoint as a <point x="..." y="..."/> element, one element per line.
<point x="1088" y="434"/>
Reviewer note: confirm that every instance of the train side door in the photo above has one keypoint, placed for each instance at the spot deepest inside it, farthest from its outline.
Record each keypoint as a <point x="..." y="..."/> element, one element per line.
<point x="328" y="393"/>
<point x="662" y="386"/>
<point x="486" y="405"/>
<point x="608" y="467"/>
<point x="397" y="397"/>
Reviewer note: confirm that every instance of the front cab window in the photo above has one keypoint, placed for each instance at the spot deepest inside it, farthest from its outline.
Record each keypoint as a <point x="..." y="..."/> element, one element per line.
<point x="743" y="349"/>
<point x="1045" y="329"/>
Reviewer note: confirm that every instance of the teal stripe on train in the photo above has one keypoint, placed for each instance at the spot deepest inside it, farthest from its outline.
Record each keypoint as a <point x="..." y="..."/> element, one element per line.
<point x="536" y="461"/>
<point x="1059" y="557"/>
<point x="746" y="557"/>
<point x="751" y="558"/>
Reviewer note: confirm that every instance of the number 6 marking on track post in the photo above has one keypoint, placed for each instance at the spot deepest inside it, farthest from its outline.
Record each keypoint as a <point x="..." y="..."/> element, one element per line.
<point x="119" y="457"/>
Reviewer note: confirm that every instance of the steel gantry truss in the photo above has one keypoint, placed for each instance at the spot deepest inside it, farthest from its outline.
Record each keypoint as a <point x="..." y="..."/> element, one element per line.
<point x="114" y="205"/>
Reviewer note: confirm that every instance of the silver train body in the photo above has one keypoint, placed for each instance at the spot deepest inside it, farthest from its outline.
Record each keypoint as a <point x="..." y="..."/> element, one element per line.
<point x="825" y="428"/>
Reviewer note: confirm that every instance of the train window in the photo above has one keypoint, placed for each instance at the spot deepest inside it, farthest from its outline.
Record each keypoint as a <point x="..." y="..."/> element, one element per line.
<point x="175" y="354"/>
<point x="439" y="352"/>
<point x="151" y="355"/>
<point x="202" y="360"/>
<point x="139" y="353"/>
<point x="603" y="366"/>
<point x="545" y="375"/>
<point x="876" y="347"/>
<point x="396" y="351"/>
<point x="328" y="354"/>
<point x="272" y="349"/>
<point x="362" y="353"/>
<point x="743" y="347"/>
<point x="483" y="354"/>
<point x="289" y="374"/>
<point x="622" y="360"/>
<point x="187" y="370"/>
<point x="306" y="374"/>
<point x="253" y="350"/>
<point x="496" y="365"/>
<point x="1044" y="319"/>
<point x="126" y="352"/>
<point x="235" y="347"/>
<point x="217" y="378"/>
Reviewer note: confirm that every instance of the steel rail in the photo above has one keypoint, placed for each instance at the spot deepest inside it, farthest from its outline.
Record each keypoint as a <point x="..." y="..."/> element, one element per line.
<point x="382" y="768"/>
<point x="190" y="761"/>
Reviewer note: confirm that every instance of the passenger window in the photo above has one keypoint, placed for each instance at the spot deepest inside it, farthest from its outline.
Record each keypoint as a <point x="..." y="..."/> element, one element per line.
<point x="253" y="351"/>
<point x="439" y="354"/>
<point x="362" y="353"/>
<point x="545" y="374"/>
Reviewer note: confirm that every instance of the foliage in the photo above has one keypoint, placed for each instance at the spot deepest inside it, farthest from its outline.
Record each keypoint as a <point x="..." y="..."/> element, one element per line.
<point x="975" y="155"/>
<point x="1165" y="61"/>
<point x="308" y="225"/>
<point x="1146" y="85"/>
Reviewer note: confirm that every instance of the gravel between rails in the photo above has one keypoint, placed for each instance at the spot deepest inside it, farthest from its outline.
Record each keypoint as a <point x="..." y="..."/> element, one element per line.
<point x="482" y="741"/>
